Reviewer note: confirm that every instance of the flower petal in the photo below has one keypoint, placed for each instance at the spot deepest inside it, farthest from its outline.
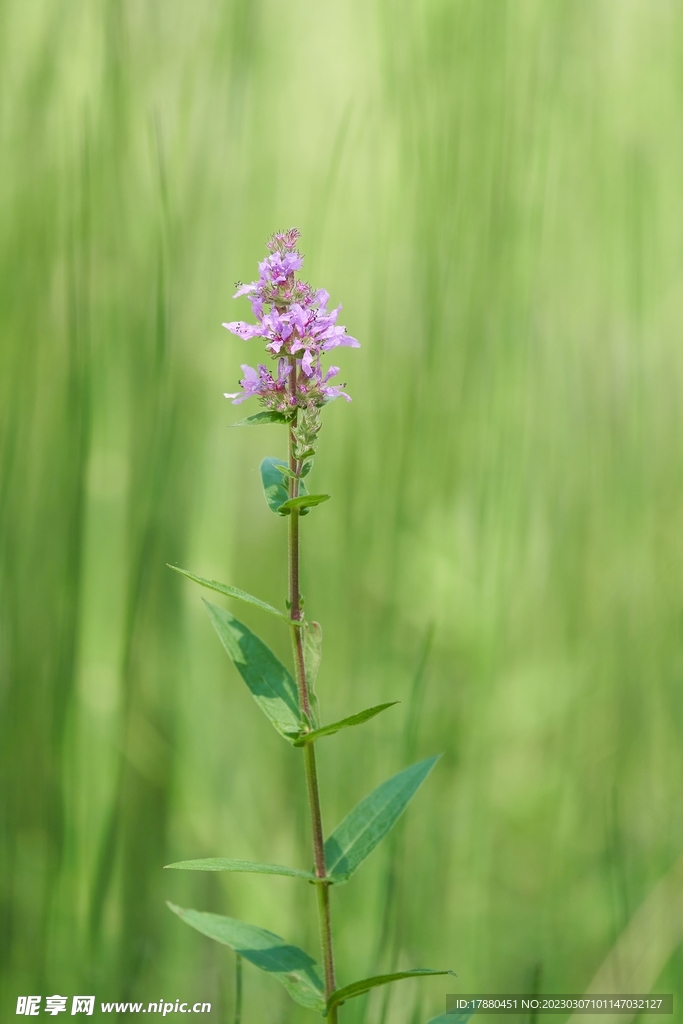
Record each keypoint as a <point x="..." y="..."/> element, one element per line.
<point x="307" y="363"/>
<point x="245" y="289"/>
<point x="242" y="329"/>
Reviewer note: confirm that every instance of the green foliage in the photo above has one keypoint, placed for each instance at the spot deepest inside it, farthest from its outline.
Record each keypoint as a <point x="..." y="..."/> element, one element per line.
<point x="259" y="418"/>
<point x="250" y="867"/>
<point x="271" y="685"/>
<point x="274" y="486"/>
<point x="302" y="502"/>
<point x="224" y="588"/>
<point x="501" y="221"/>
<point x="370" y="820"/>
<point x="293" y="968"/>
<point x="451" y="1018"/>
<point x="286" y="471"/>
<point x="343" y="723"/>
<point x="306" y="433"/>
<point x="359" y="988"/>
<point x="240" y="866"/>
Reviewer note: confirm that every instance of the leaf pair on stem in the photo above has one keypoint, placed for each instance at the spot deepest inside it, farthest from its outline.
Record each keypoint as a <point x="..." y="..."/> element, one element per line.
<point x="276" y="693"/>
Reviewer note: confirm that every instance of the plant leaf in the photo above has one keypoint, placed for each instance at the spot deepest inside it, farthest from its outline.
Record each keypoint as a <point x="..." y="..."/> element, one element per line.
<point x="294" y="968"/>
<point x="246" y="866"/>
<point x="270" y="683"/>
<point x="285" y="470"/>
<point x="359" y="988"/>
<point x="250" y="867"/>
<point x="224" y="588"/>
<point x="313" y="652"/>
<point x="273" y="474"/>
<point x="266" y="416"/>
<point x="274" y="484"/>
<point x="304" y="501"/>
<point x="370" y="820"/>
<point x="343" y="723"/>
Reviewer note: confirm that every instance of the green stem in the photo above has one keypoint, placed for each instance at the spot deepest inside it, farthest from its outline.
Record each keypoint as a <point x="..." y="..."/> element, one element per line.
<point x="322" y="888"/>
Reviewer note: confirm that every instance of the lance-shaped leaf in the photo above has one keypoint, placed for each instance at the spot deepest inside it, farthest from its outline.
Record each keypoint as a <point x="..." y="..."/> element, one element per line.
<point x="224" y="588"/>
<point x="270" y="683"/>
<point x="303" y="502"/>
<point x="251" y="867"/>
<point x="343" y="723"/>
<point x="275" y="484"/>
<point x="368" y="823"/>
<point x="267" y="416"/>
<point x="242" y="866"/>
<point x="283" y="468"/>
<point x="294" y="968"/>
<point x="359" y="988"/>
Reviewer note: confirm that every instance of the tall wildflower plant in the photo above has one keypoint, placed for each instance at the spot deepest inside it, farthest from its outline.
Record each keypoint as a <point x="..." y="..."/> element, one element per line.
<point x="298" y="330"/>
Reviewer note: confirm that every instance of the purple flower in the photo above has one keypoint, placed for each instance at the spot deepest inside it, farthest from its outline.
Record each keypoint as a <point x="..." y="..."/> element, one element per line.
<point x="276" y="269"/>
<point x="261" y="384"/>
<point x="297" y="327"/>
<point x="245" y="289"/>
<point x="244" y="330"/>
<point x="331" y="392"/>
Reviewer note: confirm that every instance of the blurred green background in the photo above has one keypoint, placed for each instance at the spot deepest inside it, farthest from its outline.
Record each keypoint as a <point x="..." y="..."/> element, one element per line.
<point x="493" y="190"/>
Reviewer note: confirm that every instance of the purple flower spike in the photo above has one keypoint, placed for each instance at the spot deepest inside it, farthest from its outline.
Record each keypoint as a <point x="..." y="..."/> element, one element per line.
<point x="297" y="328"/>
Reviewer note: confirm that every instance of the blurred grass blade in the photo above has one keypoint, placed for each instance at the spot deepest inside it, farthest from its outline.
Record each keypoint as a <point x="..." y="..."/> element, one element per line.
<point x="305" y="501"/>
<point x="224" y="588"/>
<point x="392" y="914"/>
<point x="270" y="683"/>
<point x="313" y="654"/>
<point x="343" y="723"/>
<point x="293" y="967"/>
<point x="242" y="866"/>
<point x="359" y="988"/>
<point x="313" y="650"/>
<point x="267" y="416"/>
<point x="238" y="989"/>
<point x="645" y="946"/>
<point x="451" y="1018"/>
<point x="367" y="824"/>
